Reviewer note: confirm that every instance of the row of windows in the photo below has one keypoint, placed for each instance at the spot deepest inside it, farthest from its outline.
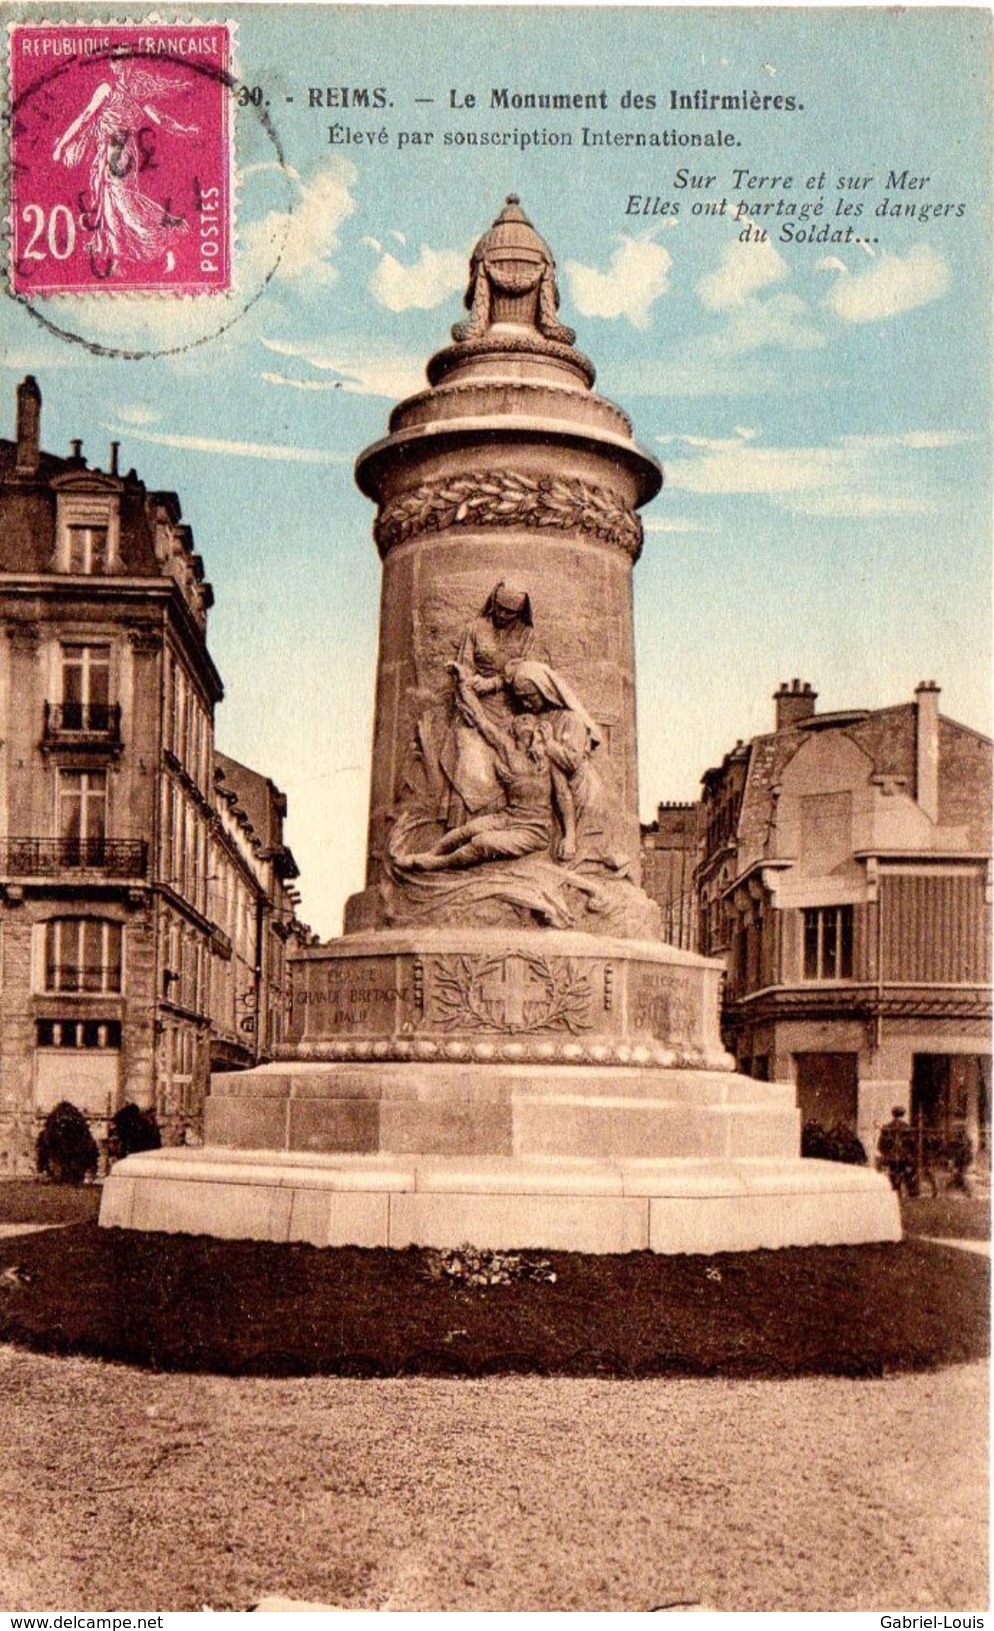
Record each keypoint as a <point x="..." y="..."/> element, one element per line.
<point x="931" y="929"/>
<point x="233" y="906"/>
<point x="84" y="956"/>
<point x="184" y="844"/>
<point x="187" y="726"/>
<point x="827" y="934"/>
<point x="186" y="972"/>
<point x="79" y="1033"/>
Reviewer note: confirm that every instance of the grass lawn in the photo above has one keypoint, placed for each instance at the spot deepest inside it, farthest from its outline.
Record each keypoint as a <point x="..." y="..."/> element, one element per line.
<point x="253" y="1308"/>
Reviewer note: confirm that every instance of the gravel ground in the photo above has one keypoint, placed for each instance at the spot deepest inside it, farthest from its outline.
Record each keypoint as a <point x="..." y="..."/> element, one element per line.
<point x="129" y="1490"/>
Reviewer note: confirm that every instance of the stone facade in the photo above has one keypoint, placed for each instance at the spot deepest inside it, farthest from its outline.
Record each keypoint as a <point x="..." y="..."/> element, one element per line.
<point x="670" y="852"/>
<point x="845" y="880"/>
<point x="111" y="830"/>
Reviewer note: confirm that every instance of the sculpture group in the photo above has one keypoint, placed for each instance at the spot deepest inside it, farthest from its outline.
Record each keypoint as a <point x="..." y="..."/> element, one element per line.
<point x="504" y="800"/>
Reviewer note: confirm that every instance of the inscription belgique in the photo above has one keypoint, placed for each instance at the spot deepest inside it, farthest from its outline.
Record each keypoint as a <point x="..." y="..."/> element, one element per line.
<point x="663" y="1004"/>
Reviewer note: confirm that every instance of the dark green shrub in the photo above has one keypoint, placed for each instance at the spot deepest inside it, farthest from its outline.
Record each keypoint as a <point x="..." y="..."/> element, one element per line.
<point x="65" y="1149"/>
<point x="836" y="1143"/>
<point x="131" y="1131"/>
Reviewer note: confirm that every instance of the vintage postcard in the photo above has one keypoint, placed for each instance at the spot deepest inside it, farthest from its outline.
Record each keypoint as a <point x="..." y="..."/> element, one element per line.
<point x="438" y="441"/>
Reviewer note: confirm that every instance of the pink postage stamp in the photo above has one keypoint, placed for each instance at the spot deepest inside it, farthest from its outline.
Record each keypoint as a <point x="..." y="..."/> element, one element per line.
<point x="120" y="158"/>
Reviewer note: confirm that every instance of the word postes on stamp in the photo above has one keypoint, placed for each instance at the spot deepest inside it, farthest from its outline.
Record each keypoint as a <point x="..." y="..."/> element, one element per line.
<point x="120" y="158"/>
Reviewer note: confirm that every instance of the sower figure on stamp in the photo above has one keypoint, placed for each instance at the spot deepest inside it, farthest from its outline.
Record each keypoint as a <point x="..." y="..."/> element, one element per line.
<point x="114" y="133"/>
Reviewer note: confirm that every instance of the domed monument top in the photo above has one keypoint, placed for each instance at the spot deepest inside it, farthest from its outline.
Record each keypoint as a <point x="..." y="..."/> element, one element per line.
<point x="512" y="280"/>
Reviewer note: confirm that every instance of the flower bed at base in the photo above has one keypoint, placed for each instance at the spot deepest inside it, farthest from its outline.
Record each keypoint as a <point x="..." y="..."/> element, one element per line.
<point x="252" y="1308"/>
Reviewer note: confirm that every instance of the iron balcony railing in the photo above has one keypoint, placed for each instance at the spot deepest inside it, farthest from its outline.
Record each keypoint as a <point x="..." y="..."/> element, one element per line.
<point x="100" y="720"/>
<point x="47" y="857"/>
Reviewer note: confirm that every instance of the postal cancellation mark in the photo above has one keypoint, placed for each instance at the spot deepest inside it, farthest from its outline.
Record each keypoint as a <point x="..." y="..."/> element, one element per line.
<point x="120" y="158"/>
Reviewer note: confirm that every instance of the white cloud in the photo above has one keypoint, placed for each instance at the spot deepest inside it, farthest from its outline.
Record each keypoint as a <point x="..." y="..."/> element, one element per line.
<point x="892" y="285"/>
<point x="302" y="384"/>
<point x="782" y="320"/>
<point x="908" y="438"/>
<point x="434" y="276"/>
<point x="673" y="523"/>
<point x="733" y="289"/>
<point x="743" y="270"/>
<point x="358" y="370"/>
<point x="300" y="241"/>
<point x="140" y="323"/>
<point x="138" y="413"/>
<point x="236" y="449"/>
<point x="855" y="475"/>
<point x="636" y="277"/>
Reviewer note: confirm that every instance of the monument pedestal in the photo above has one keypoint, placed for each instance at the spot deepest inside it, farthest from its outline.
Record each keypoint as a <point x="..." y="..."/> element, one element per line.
<point x="566" y="1092"/>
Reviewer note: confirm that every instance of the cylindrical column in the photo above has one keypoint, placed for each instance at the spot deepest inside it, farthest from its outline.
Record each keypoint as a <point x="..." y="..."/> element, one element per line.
<point x="509" y="469"/>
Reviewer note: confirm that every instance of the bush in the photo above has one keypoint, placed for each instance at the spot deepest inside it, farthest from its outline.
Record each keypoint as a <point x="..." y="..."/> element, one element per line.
<point x="131" y="1131"/>
<point x="65" y="1149"/>
<point x="836" y="1143"/>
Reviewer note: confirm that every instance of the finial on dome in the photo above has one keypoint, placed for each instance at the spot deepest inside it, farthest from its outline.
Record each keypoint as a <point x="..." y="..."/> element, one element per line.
<point x="512" y="279"/>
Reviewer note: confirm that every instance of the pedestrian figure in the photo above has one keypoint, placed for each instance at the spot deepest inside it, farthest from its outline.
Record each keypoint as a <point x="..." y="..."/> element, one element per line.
<point x="896" y="1152"/>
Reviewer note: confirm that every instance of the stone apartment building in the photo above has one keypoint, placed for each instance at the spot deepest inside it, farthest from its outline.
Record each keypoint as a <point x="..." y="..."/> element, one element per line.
<point x="670" y="846"/>
<point x="134" y="889"/>
<point x="253" y="908"/>
<point x="845" y="878"/>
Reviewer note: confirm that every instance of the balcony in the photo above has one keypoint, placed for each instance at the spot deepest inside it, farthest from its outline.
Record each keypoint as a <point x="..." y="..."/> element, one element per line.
<point x="82" y="725"/>
<point x="24" y="858"/>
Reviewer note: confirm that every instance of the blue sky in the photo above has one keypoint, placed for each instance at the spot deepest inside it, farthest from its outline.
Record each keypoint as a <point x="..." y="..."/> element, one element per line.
<point x="821" y="409"/>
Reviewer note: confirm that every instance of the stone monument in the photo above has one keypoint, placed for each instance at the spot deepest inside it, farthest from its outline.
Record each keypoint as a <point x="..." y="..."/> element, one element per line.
<point x="500" y="1048"/>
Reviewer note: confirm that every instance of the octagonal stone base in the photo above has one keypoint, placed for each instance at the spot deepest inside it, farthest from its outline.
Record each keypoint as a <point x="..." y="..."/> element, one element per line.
<point x="556" y="1204"/>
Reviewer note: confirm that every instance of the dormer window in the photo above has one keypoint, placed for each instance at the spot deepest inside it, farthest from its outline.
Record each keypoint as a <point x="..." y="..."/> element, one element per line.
<point x="87" y="541"/>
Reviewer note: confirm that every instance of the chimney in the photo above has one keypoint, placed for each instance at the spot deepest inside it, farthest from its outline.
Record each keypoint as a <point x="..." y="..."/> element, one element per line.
<point x="794" y="703"/>
<point x="28" y="426"/>
<point x="927" y="748"/>
<point x="115" y="448"/>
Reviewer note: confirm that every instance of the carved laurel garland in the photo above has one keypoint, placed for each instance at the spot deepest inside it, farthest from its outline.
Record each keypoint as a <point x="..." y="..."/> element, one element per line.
<point x="498" y="498"/>
<point x="559" y="995"/>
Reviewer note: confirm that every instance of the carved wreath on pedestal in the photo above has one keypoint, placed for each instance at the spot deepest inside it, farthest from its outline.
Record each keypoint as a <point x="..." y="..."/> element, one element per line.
<point x="510" y="993"/>
<point x="497" y="498"/>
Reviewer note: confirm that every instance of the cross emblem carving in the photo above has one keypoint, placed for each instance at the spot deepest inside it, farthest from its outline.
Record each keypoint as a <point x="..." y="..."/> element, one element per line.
<point x="506" y="991"/>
